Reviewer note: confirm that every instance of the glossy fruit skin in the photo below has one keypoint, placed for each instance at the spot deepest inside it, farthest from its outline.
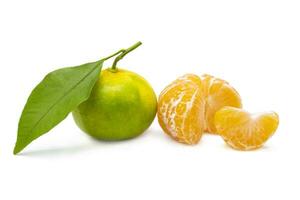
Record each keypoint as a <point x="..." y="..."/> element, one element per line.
<point x="122" y="105"/>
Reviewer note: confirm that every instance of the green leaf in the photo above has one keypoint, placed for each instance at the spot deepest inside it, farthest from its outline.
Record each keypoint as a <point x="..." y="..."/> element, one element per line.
<point x="50" y="102"/>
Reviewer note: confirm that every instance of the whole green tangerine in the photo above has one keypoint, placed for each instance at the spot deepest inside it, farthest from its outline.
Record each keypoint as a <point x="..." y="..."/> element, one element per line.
<point x="122" y="104"/>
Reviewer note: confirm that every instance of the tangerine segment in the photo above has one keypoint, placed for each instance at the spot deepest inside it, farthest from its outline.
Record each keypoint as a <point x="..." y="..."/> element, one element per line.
<point x="244" y="131"/>
<point x="218" y="93"/>
<point x="181" y="109"/>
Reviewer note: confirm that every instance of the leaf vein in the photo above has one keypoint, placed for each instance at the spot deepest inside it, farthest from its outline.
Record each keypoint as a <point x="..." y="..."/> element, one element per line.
<point x="62" y="97"/>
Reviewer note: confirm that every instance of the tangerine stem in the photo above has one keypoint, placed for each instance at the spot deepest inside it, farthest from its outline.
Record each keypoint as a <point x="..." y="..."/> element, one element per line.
<point x="112" y="55"/>
<point x="126" y="51"/>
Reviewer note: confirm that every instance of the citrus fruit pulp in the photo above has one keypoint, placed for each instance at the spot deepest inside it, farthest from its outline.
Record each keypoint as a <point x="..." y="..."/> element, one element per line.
<point x="217" y="93"/>
<point x="244" y="131"/>
<point x="187" y="106"/>
<point x="122" y="105"/>
<point x="181" y="109"/>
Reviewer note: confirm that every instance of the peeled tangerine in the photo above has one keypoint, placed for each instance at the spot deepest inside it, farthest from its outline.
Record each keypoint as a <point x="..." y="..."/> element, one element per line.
<point x="187" y="106"/>
<point x="244" y="131"/>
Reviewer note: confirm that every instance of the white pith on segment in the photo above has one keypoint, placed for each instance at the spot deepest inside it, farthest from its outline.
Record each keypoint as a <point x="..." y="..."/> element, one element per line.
<point x="188" y="107"/>
<point x="168" y="110"/>
<point x="206" y="92"/>
<point x="214" y="89"/>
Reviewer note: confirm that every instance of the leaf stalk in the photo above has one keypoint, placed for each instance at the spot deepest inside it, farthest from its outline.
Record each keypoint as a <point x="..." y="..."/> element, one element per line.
<point x="124" y="53"/>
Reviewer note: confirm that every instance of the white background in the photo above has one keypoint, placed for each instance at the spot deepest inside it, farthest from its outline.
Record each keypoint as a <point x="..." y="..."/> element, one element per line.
<point x="255" y="45"/>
